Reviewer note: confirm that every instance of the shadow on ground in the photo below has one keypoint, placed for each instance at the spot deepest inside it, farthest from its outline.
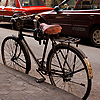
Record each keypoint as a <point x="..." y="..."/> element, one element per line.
<point x="85" y="42"/>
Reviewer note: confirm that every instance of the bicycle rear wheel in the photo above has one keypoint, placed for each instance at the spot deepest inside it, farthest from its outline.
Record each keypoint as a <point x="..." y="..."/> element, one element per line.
<point x="68" y="70"/>
<point x="15" y="55"/>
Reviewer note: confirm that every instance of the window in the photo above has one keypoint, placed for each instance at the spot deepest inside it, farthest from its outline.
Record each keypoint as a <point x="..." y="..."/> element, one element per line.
<point x="3" y="2"/>
<point x="70" y="5"/>
<point x="88" y="4"/>
<point x="11" y="3"/>
<point x="96" y="4"/>
<point x="31" y="3"/>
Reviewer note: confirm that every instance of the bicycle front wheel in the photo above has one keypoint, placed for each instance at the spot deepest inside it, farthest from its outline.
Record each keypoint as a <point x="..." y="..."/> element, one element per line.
<point x="15" y="55"/>
<point x="68" y="70"/>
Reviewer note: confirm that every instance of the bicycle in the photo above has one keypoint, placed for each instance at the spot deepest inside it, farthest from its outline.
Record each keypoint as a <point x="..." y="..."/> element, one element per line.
<point x="67" y="66"/>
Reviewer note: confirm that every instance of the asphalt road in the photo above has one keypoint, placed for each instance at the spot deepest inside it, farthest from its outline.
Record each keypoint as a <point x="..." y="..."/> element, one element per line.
<point x="92" y="53"/>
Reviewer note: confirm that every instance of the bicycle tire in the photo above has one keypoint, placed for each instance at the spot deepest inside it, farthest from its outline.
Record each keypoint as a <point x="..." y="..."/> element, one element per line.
<point x="69" y="81"/>
<point x="15" y="55"/>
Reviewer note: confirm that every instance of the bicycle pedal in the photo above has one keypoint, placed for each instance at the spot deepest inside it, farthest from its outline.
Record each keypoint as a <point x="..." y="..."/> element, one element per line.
<point x="40" y="80"/>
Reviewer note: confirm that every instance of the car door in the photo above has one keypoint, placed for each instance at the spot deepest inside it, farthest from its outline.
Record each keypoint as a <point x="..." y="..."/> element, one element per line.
<point x="81" y="21"/>
<point x="62" y="18"/>
<point x="67" y="22"/>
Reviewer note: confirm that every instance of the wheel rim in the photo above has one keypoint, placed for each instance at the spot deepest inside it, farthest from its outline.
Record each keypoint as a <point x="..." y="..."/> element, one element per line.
<point x="16" y="61"/>
<point x="96" y="36"/>
<point x="75" y="83"/>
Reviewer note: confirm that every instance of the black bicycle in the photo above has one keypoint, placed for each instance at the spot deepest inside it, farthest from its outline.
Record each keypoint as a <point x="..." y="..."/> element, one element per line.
<point x="67" y="66"/>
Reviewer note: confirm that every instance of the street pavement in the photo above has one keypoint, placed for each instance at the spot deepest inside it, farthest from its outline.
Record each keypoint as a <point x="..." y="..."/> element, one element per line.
<point x="92" y="53"/>
<point x="15" y="85"/>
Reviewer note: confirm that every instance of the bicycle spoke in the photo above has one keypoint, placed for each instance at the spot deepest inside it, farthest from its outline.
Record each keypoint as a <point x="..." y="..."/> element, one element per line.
<point x="22" y="60"/>
<point x="59" y="61"/>
<point x="78" y="83"/>
<point x="55" y="65"/>
<point x="69" y="71"/>
<point x="62" y="85"/>
<point x="14" y="54"/>
<point x="58" y="80"/>
<point x="19" y="64"/>
<point x="65" y="62"/>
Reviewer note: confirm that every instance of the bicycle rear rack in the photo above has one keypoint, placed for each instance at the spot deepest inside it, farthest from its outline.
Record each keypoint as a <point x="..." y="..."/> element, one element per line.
<point x="69" y="40"/>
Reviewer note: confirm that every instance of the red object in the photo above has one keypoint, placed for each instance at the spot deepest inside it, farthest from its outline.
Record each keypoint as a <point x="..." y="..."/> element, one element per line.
<point x="51" y="29"/>
<point x="9" y="8"/>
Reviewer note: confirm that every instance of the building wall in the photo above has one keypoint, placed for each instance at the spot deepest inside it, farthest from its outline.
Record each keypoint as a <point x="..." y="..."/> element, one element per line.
<point x="49" y="3"/>
<point x="52" y="3"/>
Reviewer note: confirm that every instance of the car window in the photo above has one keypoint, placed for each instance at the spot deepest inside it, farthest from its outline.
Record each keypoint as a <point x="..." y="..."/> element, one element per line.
<point x="88" y="4"/>
<point x="11" y="3"/>
<point x="31" y="3"/>
<point x="3" y="2"/>
<point x="96" y="4"/>
<point x="81" y="5"/>
<point x="57" y="2"/>
<point x="70" y="5"/>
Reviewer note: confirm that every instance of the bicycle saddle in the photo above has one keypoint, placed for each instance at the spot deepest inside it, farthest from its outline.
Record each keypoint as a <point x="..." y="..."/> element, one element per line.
<point x="51" y="29"/>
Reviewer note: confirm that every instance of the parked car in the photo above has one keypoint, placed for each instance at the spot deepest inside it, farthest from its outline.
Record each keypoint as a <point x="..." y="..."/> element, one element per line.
<point x="78" y="19"/>
<point x="15" y="8"/>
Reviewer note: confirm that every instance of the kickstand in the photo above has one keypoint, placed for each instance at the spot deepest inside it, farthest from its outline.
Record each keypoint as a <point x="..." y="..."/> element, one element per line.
<point x="41" y="79"/>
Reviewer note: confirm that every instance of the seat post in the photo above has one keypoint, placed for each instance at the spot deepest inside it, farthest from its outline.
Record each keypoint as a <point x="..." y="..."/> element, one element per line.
<point x="20" y="33"/>
<point x="44" y="52"/>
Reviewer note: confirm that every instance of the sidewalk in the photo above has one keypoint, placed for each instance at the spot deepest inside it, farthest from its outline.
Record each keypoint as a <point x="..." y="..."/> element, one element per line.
<point x="15" y="85"/>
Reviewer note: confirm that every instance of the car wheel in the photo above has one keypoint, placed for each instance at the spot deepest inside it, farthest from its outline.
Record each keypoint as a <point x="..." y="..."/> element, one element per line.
<point x="18" y="23"/>
<point x="95" y="36"/>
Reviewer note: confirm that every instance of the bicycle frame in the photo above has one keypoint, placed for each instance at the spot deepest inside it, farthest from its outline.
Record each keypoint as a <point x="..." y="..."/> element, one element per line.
<point x="41" y="65"/>
<point x="20" y="36"/>
<point x="63" y="60"/>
